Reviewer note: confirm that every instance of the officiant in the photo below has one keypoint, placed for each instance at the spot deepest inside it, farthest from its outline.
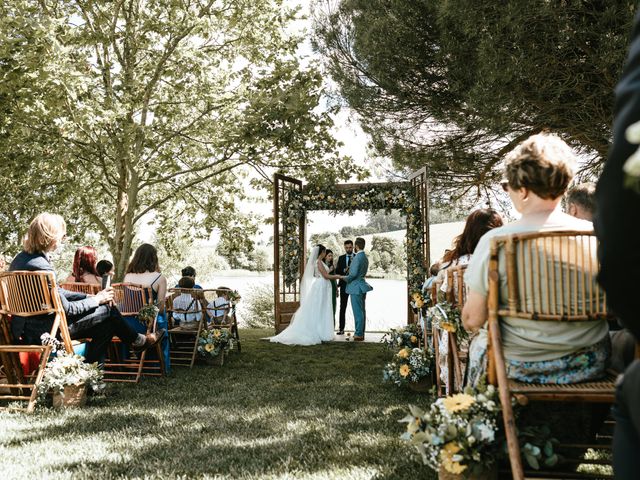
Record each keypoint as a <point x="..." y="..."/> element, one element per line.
<point x="344" y="261"/>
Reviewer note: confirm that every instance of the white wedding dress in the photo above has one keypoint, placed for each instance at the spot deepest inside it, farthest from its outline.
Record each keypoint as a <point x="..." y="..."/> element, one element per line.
<point x="313" y="321"/>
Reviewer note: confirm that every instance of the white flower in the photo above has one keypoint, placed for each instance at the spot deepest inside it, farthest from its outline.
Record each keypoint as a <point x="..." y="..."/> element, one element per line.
<point x="632" y="133"/>
<point x="471" y="439"/>
<point x="632" y="166"/>
<point x="486" y="432"/>
<point x="491" y="405"/>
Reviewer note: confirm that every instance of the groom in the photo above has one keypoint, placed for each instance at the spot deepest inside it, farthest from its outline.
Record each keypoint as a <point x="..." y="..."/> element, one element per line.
<point x="357" y="288"/>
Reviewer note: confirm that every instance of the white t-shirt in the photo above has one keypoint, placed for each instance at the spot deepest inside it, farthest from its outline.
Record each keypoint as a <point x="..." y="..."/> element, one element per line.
<point x="186" y="302"/>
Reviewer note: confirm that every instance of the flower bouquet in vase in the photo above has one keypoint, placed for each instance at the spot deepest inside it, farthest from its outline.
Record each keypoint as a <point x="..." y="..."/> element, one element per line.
<point x="409" y="336"/>
<point x="69" y="377"/>
<point x="411" y="367"/>
<point x="213" y="344"/>
<point x="147" y="315"/>
<point x="456" y="437"/>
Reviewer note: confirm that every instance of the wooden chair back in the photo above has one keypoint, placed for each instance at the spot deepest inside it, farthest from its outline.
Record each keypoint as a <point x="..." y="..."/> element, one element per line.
<point x="196" y="303"/>
<point x="30" y="294"/>
<point x="549" y="276"/>
<point x="130" y="298"/>
<point x="80" y="287"/>
<point x="27" y="294"/>
<point x="456" y="293"/>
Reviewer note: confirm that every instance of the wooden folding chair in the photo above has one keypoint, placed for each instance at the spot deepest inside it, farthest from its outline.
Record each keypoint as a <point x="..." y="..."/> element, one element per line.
<point x="456" y="295"/>
<point x="228" y="320"/>
<point x="183" y="346"/>
<point x="88" y="288"/>
<point x="130" y="366"/>
<point x="27" y="294"/>
<point x="550" y="277"/>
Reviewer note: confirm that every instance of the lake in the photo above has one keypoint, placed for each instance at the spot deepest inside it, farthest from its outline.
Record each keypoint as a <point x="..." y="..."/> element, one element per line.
<point x="386" y="304"/>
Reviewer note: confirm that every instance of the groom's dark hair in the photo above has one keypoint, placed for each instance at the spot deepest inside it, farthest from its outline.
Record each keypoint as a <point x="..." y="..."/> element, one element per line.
<point x="348" y="242"/>
<point x="360" y="243"/>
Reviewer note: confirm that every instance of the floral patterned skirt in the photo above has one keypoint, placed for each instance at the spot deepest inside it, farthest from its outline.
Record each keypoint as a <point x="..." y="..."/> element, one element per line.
<point x="586" y="364"/>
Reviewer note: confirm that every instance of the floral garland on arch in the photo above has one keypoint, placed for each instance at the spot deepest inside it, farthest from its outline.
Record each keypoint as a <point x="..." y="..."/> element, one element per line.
<point x="369" y="197"/>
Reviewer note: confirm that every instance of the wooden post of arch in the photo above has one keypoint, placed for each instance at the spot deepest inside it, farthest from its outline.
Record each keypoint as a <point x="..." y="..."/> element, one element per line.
<point x="420" y="185"/>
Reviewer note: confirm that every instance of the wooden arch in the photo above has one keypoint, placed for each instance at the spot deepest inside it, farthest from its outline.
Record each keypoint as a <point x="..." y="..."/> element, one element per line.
<point x="287" y="293"/>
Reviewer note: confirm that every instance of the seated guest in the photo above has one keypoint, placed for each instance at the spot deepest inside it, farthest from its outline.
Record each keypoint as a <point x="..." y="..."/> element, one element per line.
<point x="88" y="316"/>
<point x="581" y="201"/>
<point x="104" y="267"/>
<point x="478" y="223"/>
<point x="191" y="307"/>
<point x="218" y="307"/>
<point x="433" y="275"/>
<point x="190" y="272"/>
<point x="143" y="269"/>
<point x="84" y="267"/>
<point x="537" y="173"/>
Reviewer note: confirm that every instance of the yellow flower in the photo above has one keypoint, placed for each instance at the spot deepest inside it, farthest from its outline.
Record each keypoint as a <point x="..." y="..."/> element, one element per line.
<point x="404" y="353"/>
<point x="414" y="339"/>
<point x="419" y="304"/>
<point x="405" y="370"/>
<point x="446" y="456"/>
<point x="458" y="403"/>
<point x="449" y="327"/>
<point x="217" y="333"/>
<point x="417" y="296"/>
<point x="208" y="347"/>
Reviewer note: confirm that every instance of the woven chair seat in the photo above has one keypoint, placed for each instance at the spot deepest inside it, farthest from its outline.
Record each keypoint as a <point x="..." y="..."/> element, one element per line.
<point x="601" y="390"/>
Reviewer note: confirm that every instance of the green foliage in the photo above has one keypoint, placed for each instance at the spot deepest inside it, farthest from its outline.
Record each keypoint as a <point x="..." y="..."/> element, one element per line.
<point x="258" y="307"/>
<point x="456" y="87"/>
<point x="125" y="112"/>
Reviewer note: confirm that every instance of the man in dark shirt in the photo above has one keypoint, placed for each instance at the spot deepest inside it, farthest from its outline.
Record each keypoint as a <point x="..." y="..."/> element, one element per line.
<point x="342" y="268"/>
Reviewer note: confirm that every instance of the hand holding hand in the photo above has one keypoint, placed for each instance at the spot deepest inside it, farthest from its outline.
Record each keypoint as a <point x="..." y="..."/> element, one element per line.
<point x="104" y="296"/>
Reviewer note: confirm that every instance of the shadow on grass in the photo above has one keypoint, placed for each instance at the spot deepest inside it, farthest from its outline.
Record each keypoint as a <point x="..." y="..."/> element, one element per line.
<point x="271" y="412"/>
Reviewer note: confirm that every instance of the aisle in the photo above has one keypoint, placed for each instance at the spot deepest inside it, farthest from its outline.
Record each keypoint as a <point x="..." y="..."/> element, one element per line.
<point x="271" y="412"/>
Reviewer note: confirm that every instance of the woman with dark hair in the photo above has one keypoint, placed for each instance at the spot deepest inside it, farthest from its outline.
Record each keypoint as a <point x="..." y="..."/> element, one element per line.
<point x="478" y="223"/>
<point x="334" y="283"/>
<point x="84" y="266"/>
<point x="143" y="269"/>
<point x="313" y="321"/>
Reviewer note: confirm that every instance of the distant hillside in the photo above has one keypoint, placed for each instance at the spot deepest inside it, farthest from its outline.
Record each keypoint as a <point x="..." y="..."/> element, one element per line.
<point x="440" y="234"/>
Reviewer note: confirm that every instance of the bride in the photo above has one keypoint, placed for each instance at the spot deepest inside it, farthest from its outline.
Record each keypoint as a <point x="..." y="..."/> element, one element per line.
<point x="313" y="321"/>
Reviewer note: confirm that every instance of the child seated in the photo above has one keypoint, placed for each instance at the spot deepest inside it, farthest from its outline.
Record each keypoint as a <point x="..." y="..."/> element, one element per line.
<point x="189" y="307"/>
<point x="218" y="307"/>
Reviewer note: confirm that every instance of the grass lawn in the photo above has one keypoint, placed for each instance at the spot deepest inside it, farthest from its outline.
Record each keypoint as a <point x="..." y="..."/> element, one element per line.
<point x="272" y="411"/>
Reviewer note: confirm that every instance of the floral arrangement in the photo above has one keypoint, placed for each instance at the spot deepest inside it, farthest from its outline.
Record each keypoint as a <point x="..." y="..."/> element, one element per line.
<point x="69" y="369"/>
<point x="449" y="318"/>
<point x="368" y="197"/>
<point x="148" y="314"/>
<point x="458" y="433"/>
<point x="409" y="336"/>
<point x="214" y="342"/>
<point x="234" y="296"/>
<point x="409" y="365"/>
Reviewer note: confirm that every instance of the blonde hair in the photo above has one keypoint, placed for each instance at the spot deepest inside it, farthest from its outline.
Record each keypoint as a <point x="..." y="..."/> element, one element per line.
<point x="43" y="231"/>
<point x="543" y="163"/>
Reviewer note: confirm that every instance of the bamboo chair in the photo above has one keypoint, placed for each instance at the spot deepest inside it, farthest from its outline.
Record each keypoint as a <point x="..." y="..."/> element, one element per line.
<point x="456" y="295"/>
<point x="533" y="262"/>
<point x="130" y="298"/>
<point x="184" y="339"/>
<point x="88" y="288"/>
<point x="228" y="320"/>
<point x="27" y="294"/>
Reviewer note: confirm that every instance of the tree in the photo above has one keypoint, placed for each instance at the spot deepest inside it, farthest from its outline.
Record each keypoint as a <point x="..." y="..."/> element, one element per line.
<point x="454" y="88"/>
<point x="127" y="112"/>
<point x="381" y="221"/>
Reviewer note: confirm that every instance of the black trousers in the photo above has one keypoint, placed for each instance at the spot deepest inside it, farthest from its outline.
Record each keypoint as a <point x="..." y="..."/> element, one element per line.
<point x="344" y="300"/>
<point x="626" y="438"/>
<point x="101" y="325"/>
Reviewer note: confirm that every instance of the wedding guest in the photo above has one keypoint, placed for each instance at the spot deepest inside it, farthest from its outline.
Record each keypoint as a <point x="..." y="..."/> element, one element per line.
<point x="104" y="267"/>
<point x="477" y="224"/>
<point x="581" y="201"/>
<point x="88" y="316"/>
<point x="334" y="284"/>
<point x="144" y="269"/>
<point x="618" y="229"/>
<point x="537" y="173"/>
<point x="342" y="268"/>
<point x="191" y="307"/>
<point x="84" y="266"/>
<point x="219" y="306"/>
<point x="190" y="272"/>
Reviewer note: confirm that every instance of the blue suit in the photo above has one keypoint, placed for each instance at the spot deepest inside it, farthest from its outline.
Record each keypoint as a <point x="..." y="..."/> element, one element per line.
<point x="357" y="288"/>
